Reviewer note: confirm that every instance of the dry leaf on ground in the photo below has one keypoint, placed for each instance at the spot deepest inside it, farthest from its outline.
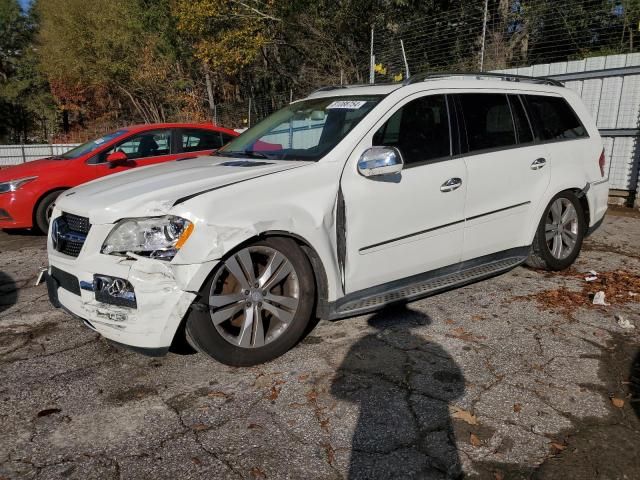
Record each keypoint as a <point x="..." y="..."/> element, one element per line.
<point x="463" y="415"/>
<point x="475" y="441"/>
<point x="617" y="402"/>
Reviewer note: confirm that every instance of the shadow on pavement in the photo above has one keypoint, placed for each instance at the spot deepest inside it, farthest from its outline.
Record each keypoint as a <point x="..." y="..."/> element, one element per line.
<point x="8" y="292"/>
<point x="403" y="384"/>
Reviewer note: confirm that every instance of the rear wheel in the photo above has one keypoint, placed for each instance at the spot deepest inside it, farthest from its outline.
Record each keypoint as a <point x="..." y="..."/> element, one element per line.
<point x="44" y="210"/>
<point x="560" y="233"/>
<point x="260" y="301"/>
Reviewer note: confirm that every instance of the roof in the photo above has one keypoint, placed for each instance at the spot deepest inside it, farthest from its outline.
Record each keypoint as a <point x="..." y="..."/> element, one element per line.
<point x="446" y="80"/>
<point x="202" y="125"/>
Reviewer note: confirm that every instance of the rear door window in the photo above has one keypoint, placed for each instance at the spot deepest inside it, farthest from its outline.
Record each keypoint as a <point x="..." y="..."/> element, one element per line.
<point x="554" y="119"/>
<point x="488" y="121"/>
<point x="420" y="130"/>
<point x="196" y="140"/>
<point x="523" y="128"/>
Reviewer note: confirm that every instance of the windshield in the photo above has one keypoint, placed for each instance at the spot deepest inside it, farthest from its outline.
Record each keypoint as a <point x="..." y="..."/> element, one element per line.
<point x="305" y="130"/>
<point x="91" y="145"/>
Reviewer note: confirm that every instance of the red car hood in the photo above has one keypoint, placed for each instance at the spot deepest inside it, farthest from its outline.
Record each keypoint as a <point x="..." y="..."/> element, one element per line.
<point x="30" y="169"/>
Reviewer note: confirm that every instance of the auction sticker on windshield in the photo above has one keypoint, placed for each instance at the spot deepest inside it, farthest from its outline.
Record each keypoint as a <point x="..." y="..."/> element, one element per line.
<point x="346" y="104"/>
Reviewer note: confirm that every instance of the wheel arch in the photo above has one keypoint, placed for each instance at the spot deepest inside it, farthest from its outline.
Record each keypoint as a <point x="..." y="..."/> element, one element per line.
<point x="579" y="192"/>
<point x="41" y="198"/>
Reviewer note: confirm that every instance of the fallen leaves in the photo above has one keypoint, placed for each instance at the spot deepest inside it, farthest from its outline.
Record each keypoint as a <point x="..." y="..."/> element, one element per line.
<point x="619" y="287"/>
<point x="474" y="440"/>
<point x="557" y="447"/>
<point x="617" y="402"/>
<point x="331" y="453"/>
<point x="257" y="473"/>
<point x="274" y="393"/>
<point x="217" y="394"/>
<point x="517" y="407"/>
<point x="462" y="334"/>
<point x="198" y="427"/>
<point x="463" y="415"/>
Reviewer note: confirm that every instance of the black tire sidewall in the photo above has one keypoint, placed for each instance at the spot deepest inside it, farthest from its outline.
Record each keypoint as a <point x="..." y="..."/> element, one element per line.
<point x="40" y="217"/>
<point x="552" y="262"/>
<point x="204" y="336"/>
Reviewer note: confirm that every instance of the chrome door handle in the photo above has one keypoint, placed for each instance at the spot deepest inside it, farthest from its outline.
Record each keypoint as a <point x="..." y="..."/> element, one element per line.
<point x="538" y="164"/>
<point x="451" y="185"/>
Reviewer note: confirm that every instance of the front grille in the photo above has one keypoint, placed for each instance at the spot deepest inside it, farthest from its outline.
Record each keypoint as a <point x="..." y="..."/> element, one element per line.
<point x="69" y="233"/>
<point x="77" y="223"/>
<point x="72" y="248"/>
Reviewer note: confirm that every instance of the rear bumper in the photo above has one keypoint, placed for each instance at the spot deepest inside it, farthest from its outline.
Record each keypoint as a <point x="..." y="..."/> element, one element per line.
<point x="597" y="194"/>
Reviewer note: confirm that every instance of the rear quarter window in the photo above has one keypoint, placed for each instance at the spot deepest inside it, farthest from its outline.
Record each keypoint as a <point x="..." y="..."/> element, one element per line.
<point x="554" y="119"/>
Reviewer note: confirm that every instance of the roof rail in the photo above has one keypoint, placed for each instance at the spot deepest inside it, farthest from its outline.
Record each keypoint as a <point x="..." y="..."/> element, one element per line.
<point x="507" y="77"/>
<point x="328" y="88"/>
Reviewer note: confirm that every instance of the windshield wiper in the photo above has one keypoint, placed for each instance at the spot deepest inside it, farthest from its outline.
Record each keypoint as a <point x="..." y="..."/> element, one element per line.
<point x="241" y="154"/>
<point x="254" y="154"/>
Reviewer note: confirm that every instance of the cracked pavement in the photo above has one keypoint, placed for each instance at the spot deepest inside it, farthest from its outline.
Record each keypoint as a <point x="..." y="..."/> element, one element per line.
<point x="487" y="381"/>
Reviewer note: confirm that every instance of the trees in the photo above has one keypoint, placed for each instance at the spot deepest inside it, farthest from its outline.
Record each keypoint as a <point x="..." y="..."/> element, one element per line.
<point x="105" y="63"/>
<point x="25" y="104"/>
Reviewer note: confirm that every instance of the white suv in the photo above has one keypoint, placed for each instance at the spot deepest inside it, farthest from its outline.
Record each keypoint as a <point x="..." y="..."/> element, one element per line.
<point x="349" y="200"/>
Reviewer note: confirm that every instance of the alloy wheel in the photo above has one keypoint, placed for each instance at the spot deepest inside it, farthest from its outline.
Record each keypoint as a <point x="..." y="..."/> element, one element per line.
<point x="561" y="228"/>
<point x="254" y="297"/>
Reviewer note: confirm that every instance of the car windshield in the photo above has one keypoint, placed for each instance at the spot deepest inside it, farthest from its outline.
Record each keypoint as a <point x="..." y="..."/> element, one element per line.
<point x="91" y="145"/>
<point x="304" y="130"/>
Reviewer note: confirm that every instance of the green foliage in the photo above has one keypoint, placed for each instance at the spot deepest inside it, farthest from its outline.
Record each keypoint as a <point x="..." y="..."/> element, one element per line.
<point x="25" y="102"/>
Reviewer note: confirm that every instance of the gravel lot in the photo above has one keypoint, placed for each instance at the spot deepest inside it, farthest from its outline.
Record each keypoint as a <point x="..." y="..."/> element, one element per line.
<point x="515" y="377"/>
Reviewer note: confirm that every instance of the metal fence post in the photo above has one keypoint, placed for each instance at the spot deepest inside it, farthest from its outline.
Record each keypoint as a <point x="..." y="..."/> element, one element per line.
<point x="24" y="157"/>
<point x="404" y="57"/>
<point x="372" y="61"/>
<point x="484" y="34"/>
<point x="249" y="116"/>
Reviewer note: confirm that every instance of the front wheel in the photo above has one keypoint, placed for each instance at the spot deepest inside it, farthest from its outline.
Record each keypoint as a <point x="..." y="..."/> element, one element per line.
<point x="559" y="235"/>
<point x="259" y="303"/>
<point x="42" y="215"/>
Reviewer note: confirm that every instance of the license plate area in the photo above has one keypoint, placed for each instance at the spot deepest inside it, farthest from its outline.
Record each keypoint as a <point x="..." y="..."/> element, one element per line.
<point x="66" y="280"/>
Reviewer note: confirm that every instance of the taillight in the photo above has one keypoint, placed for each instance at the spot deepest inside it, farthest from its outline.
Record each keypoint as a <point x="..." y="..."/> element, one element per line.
<point x="601" y="163"/>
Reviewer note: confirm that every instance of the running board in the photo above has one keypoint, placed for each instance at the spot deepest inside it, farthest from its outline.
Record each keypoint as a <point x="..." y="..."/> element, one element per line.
<point x="424" y="285"/>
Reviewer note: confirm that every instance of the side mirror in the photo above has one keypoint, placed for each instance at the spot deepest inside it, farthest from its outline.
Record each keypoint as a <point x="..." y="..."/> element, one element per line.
<point x="117" y="158"/>
<point x="376" y="161"/>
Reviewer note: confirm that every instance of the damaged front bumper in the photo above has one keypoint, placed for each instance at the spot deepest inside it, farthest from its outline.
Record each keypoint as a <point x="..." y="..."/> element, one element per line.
<point x="163" y="294"/>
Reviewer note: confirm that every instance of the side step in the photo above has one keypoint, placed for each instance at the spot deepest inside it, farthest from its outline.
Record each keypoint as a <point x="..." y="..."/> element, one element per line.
<point x="424" y="285"/>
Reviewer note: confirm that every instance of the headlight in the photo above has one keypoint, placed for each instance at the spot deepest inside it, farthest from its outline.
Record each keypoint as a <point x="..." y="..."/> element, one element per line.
<point x="13" y="185"/>
<point x="158" y="237"/>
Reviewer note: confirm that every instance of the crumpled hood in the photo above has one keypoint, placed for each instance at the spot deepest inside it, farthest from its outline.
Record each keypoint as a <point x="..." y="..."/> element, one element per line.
<point x="153" y="190"/>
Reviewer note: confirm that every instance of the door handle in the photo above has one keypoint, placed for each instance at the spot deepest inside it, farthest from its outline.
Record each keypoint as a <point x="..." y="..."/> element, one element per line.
<point x="538" y="164"/>
<point x="451" y="185"/>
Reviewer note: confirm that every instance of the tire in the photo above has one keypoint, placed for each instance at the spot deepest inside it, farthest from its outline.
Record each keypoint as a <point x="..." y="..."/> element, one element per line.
<point x="565" y="239"/>
<point x="44" y="210"/>
<point x="254" y="317"/>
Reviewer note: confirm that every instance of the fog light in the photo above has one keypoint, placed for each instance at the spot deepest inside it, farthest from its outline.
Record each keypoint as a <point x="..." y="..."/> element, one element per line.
<point x="114" y="290"/>
<point x="4" y="215"/>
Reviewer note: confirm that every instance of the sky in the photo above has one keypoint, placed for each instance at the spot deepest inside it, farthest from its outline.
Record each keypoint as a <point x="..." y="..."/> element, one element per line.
<point x="24" y="4"/>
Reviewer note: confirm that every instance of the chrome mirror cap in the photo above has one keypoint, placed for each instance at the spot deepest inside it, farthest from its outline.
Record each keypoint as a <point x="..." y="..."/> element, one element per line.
<point x="377" y="161"/>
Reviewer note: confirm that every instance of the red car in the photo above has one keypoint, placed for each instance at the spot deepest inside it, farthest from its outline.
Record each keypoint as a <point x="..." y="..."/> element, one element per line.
<point x="28" y="191"/>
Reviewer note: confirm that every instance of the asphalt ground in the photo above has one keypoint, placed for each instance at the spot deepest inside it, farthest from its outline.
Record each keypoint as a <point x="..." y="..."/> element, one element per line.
<point x="519" y="376"/>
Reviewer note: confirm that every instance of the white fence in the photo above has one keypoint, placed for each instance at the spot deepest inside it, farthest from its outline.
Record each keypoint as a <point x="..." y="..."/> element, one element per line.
<point x="15" y="154"/>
